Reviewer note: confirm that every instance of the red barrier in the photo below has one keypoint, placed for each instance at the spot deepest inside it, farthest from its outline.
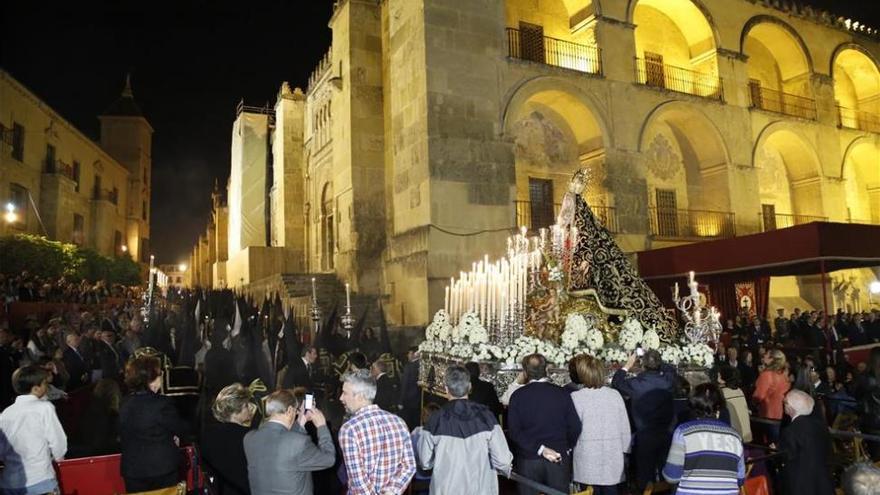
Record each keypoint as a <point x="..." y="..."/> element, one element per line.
<point x="858" y="354"/>
<point x="100" y="475"/>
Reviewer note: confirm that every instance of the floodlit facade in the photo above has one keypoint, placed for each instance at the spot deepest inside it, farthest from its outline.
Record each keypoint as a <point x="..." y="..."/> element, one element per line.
<point x="61" y="184"/>
<point x="433" y="127"/>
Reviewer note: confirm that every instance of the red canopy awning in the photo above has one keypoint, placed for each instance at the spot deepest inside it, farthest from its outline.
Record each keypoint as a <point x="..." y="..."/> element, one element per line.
<point x="799" y="250"/>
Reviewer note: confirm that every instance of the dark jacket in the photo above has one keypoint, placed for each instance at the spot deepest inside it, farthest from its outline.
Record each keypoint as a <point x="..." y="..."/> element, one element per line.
<point x="806" y="444"/>
<point x="555" y="424"/>
<point x="148" y="423"/>
<point x="297" y="374"/>
<point x="77" y="367"/>
<point x="110" y="361"/>
<point x="387" y="393"/>
<point x="410" y="394"/>
<point x="650" y="397"/>
<point x="97" y="433"/>
<point x="485" y="393"/>
<point x="223" y="451"/>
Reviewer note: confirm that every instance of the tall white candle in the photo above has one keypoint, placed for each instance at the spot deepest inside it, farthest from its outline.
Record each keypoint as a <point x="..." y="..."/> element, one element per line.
<point x="314" y="293"/>
<point x="347" y="296"/>
<point x="446" y="301"/>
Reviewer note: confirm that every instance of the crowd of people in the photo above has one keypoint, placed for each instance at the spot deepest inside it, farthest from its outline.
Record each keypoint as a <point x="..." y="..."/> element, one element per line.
<point x="278" y="414"/>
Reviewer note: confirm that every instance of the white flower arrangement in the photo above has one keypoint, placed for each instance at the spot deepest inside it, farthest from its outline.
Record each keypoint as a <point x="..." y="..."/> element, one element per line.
<point x="650" y="340"/>
<point x="577" y="324"/>
<point x="594" y="339"/>
<point x="670" y="355"/>
<point x="555" y="274"/>
<point x="614" y="355"/>
<point x="468" y="323"/>
<point x="698" y="355"/>
<point x="439" y="329"/>
<point x="631" y="334"/>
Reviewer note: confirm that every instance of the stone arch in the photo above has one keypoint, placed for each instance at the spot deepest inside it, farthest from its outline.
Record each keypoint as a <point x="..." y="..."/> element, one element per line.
<point x="778" y="60"/>
<point x="674" y="34"/>
<point x="697" y="4"/>
<point x="555" y="129"/>
<point x="684" y="152"/>
<point x="860" y="171"/>
<point x="856" y="86"/>
<point x="789" y="175"/>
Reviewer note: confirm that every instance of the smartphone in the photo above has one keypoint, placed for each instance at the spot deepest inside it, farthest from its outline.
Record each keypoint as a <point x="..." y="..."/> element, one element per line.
<point x="639" y="351"/>
<point x="310" y="402"/>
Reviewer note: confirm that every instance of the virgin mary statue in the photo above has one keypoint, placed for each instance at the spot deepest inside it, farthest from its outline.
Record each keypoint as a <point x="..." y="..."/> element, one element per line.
<point x="599" y="265"/>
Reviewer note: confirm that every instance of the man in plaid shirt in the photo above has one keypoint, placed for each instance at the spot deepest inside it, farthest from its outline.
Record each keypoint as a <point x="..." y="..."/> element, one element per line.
<point x="375" y="444"/>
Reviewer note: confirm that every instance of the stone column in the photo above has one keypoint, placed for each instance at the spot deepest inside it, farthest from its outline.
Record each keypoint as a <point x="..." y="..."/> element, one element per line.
<point x="617" y="40"/>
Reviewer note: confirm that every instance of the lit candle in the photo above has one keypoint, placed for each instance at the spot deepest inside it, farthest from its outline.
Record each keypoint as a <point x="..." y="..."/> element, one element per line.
<point x="675" y="292"/>
<point x="446" y="301"/>
<point x="314" y="293"/>
<point x="347" y="296"/>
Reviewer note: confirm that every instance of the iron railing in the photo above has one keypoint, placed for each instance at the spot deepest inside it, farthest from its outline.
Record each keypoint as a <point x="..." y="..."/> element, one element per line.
<point x="555" y="52"/>
<point x="858" y="119"/>
<point x="784" y="103"/>
<point x="106" y="195"/>
<point x="675" y="223"/>
<point x="539" y="217"/>
<point x="785" y="220"/>
<point x="606" y="216"/>
<point x="678" y="79"/>
<point x="535" y="217"/>
<point x="60" y="168"/>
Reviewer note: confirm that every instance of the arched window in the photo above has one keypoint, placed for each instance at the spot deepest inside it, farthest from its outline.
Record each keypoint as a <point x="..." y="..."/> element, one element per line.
<point x="328" y="238"/>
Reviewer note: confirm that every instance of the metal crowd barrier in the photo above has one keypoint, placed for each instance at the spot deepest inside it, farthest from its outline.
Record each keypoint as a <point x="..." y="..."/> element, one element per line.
<point x="534" y="484"/>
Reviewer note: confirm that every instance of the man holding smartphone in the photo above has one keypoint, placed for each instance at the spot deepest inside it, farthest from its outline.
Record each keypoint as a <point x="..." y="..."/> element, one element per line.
<point x="280" y="455"/>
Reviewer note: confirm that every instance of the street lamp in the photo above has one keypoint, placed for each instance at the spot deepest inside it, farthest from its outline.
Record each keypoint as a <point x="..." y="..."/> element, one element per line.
<point x="182" y="267"/>
<point x="124" y="248"/>
<point x="10" y="216"/>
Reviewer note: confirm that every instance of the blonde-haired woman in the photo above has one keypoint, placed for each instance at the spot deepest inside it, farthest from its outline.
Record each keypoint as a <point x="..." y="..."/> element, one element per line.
<point x="770" y="390"/>
<point x="605" y="436"/>
<point x="222" y="444"/>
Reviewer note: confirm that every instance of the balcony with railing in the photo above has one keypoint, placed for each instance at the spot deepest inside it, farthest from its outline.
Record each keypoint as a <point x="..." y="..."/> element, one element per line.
<point x="552" y="51"/>
<point x="858" y="119"/>
<point x="669" y="223"/>
<point x="785" y="220"/>
<point x="659" y="75"/>
<point x="780" y="102"/>
<point x="542" y="216"/>
<point x="60" y="168"/>
<point x="106" y="195"/>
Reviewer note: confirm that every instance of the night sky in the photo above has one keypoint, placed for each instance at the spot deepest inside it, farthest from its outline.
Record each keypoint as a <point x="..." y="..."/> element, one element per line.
<point x="190" y="65"/>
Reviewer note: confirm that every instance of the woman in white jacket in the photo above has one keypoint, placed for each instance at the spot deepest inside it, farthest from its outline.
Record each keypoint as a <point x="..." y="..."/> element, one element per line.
<point x="605" y="436"/>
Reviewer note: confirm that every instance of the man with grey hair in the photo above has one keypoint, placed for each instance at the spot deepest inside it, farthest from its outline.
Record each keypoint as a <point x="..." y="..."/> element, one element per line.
<point x="861" y="479"/>
<point x="375" y="444"/>
<point x="463" y="443"/>
<point x="280" y="455"/>
<point x="806" y="443"/>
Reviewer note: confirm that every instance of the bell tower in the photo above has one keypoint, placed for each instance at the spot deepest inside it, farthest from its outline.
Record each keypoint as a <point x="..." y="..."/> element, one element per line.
<point x="128" y="137"/>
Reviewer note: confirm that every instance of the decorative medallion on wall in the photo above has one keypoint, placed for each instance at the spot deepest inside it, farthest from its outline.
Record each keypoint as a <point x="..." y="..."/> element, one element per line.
<point x="663" y="162"/>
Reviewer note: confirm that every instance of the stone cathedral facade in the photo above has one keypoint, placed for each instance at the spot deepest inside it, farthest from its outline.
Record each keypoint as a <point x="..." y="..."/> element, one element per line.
<point x="433" y="127"/>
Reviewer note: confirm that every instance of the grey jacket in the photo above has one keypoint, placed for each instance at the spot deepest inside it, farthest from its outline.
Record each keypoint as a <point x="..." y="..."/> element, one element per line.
<point x="280" y="462"/>
<point x="465" y="446"/>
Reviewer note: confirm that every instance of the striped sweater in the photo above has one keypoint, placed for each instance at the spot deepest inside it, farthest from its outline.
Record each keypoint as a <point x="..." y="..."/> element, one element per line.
<point x="705" y="458"/>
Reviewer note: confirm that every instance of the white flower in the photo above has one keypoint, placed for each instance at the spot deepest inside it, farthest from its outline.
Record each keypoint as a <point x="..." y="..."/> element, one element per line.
<point x="650" y="340"/>
<point x="671" y="355"/>
<point x="594" y="339"/>
<point x="555" y="274"/>
<point x="614" y="355"/>
<point x="698" y="355"/>
<point x="577" y="324"/>
<point x="631" y="334"/>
